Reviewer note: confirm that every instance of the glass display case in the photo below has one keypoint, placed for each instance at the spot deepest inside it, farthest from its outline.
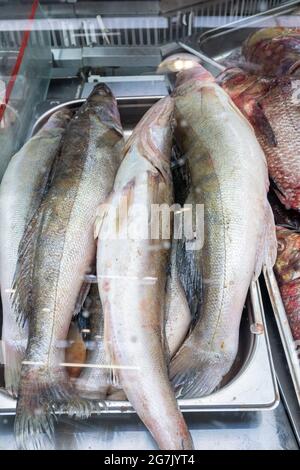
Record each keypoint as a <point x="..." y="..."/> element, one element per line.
<point x="53" y="54"/>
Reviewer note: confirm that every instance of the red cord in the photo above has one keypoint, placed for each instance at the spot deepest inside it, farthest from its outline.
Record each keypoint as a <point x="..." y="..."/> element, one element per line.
<point x="19" y="60"/>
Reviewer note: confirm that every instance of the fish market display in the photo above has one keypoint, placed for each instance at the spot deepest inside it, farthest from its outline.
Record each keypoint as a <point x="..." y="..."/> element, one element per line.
<point x="131" y="270"/>
<point x="20" y="194"/>
<point x="273" y="109"/>
<point x="287" y="270"/>
<point x="273" y="51"/>
<point x="229" y="176"/>
<point x="56" y="252"/>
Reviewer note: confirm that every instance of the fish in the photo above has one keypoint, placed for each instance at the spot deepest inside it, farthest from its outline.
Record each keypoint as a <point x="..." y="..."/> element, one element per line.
<point x="229" y="177"/>
<point x="273" y="109"/>
<point x="131" y="272"/>
<point x="273" y="52"/>
<point x="287" y="271"/>
<point x="56" y="253"/>
<point x="20" y="194"/>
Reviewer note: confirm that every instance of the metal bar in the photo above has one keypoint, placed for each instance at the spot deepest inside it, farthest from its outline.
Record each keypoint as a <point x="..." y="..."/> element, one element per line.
<point x="202" y="56"/>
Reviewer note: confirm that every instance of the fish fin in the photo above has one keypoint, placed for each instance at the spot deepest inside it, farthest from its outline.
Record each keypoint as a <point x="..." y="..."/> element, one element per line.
<point x="101" y="213"/>
<point x="282" y="198"/>
<point x="261" y="122"/>
<point x="189" y="272"/>
<point x="112" y="376"/>
<point x="114" y="379"/>
<point x="196" y="372"/>
<point x="41" y="395"/>
<point x="267" y="250"/>
<point x="83" y="293"/>
<point x="93" y="385"/>
<point x="13" y="356"/>
<point x="98" y="222"/>
<point x="22" y="282"/>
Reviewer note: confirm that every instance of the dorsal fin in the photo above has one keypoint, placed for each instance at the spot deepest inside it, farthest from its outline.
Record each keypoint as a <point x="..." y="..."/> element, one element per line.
<point x="22" y="283"/>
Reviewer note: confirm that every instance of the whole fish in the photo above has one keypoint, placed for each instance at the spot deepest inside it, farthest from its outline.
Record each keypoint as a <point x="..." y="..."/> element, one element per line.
<point x="20" y="194"/>
<point x="273" y="51"/>
<point x="273" y="109"/>
<point x="56" y="252"/>
<point x="287" y="270"/>
<point x="229" y="176"/>
<point x="131" y="270"/>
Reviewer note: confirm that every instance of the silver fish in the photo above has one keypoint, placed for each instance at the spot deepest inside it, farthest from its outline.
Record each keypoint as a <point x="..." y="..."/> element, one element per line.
<point x="21" y="191"/>
<point x="55" y="254"/>
<point x="131" y="270"/>
<point x="229" y="174"/>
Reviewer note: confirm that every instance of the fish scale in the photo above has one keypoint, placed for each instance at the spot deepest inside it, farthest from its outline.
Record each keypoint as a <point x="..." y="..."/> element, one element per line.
<point x="273" y="108"/>
<point x="283" y="159"/>
<point x="20" y="193"/>
<point x="229" y="170"/>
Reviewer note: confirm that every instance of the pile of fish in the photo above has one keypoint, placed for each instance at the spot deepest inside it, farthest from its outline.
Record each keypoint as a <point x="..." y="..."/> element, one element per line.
<point x="164" y="315"/>
<point x="266" y="89"/>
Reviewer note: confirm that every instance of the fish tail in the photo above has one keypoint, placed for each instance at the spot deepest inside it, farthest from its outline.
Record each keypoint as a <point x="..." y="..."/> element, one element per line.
<point x="93" y="383"/>
<point x="13" y="356"/>
<point x="42" y="395"/>
<point x="195" y="372"/>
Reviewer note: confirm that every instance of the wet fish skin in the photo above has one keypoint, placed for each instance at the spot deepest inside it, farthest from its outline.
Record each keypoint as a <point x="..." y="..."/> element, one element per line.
<point x="56" y="252"/>
<point x="132" y="278"/>
<point x="94" y="382"/>
<point x="287" y="270"/>
<point x="20" y="193"/>
<point x="273" y="51"/>
<point x="273" y="109"/>
<point x="228" y="170"/>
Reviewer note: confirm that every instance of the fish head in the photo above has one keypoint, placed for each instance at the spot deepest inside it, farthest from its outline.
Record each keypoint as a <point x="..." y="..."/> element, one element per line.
<point x="241" y="84"/>
<point x="177" y="62"/>
<point x="247" y="90"/>
<point x="275" y="51"/>
<point x="104" y="104"/>
<point x="197" y="73"/>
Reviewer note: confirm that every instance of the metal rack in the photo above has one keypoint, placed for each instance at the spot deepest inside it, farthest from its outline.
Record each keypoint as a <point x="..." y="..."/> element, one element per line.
<point x="93" y="24"/>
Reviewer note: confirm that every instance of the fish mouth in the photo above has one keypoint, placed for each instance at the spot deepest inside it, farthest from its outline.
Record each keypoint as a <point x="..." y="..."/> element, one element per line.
<point x="101" y="89"/>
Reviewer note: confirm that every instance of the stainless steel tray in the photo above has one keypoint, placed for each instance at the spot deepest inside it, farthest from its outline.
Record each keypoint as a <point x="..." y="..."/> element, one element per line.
<point x="251" y="383"/>
<point x="289" y="345"/>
